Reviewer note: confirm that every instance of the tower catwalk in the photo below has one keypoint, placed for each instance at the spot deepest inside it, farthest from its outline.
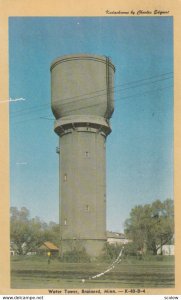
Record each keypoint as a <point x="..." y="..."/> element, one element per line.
<point x="82" y="103"/>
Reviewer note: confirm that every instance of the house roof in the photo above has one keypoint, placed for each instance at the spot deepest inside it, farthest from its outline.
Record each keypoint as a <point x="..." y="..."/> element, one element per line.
<point x="49" y="245"/>
<point x="115" y="235"/>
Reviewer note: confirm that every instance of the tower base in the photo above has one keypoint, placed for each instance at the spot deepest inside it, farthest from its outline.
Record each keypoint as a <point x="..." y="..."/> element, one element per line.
<point x="93" y="248"/>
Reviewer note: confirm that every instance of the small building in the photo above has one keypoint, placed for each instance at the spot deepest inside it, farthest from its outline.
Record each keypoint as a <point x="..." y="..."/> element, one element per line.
<point x="166" y="250"/>
<point x="116" y="238"/>
<point x="12" y="252"/>
<point x="48" y="247"/>
<point x="31" y="253"/>
<point x="13" y="249"/>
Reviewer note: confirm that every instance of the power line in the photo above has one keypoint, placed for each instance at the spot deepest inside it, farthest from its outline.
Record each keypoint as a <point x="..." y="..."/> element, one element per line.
<point x="47" y="118"/>
<point x="75" y="97"/>
<point x="116" y="91"/>
<point x="37" y="107"/>
<point x="95" y="104"/>
<point x="99" y="101"/>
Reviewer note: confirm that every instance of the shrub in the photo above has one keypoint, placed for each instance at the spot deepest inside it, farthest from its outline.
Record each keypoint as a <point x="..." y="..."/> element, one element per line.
<point x="75" y="256"/>
<point x="110" y="252"/>
<point x="131" y="250"/>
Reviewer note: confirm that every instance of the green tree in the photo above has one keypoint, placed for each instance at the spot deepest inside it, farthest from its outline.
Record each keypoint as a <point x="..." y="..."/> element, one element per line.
<point x="52" y="233"/>
<point x="110" y="252"/>
<point x="151" y="226"/>
<point x="28" y="234"/>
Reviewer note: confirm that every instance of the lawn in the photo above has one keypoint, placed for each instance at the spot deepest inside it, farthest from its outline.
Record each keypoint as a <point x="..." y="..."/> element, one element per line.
<point x="35" y="272"/>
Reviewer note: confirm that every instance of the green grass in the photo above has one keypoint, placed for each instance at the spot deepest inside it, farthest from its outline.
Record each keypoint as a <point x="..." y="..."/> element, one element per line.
<point x="35" y="272"/>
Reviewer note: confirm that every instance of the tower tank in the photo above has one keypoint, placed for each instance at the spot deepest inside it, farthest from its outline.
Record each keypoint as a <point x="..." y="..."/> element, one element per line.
<point x="82" y="102"/>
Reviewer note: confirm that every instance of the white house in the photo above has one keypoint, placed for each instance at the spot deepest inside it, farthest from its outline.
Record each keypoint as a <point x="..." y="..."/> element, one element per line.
<point x="116" y="238"/>
<point x="166" y="250"/>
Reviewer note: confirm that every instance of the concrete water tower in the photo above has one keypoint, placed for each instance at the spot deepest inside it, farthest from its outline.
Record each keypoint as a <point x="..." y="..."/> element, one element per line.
<point x="82" y="103"/>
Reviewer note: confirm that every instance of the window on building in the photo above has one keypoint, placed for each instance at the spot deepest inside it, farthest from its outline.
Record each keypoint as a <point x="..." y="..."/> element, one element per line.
<point x="65" y="221"/>
<point x="87" y="154"/>
<point x="87" y="208"/>
<point x="65" y="177"/>
<point x="104" y="197"/>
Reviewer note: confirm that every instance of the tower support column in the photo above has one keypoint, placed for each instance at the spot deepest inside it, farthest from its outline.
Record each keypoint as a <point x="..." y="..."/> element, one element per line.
<point x="82" y="184"/>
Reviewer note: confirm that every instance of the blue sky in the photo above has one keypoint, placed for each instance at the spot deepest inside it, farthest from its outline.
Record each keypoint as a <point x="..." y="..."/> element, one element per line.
<point x="140" y="147"/>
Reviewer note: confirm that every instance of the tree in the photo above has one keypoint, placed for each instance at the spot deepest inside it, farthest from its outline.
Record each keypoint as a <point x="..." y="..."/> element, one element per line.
<point x="151" y="226"/>
<point x="52" y="233"/>
<point x="27" y="234"/>
<point x="110" y="252"/>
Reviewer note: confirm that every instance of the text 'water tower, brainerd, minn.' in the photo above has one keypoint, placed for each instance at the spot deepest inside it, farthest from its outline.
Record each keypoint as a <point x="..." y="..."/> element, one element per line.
<point x="82" y="103"/>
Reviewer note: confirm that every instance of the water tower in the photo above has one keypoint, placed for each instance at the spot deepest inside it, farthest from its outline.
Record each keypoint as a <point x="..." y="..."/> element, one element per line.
<point x="82" y="103"/>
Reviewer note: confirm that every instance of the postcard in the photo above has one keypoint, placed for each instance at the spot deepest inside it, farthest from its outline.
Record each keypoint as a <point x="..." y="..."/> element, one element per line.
<point x="89" y="106"/>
